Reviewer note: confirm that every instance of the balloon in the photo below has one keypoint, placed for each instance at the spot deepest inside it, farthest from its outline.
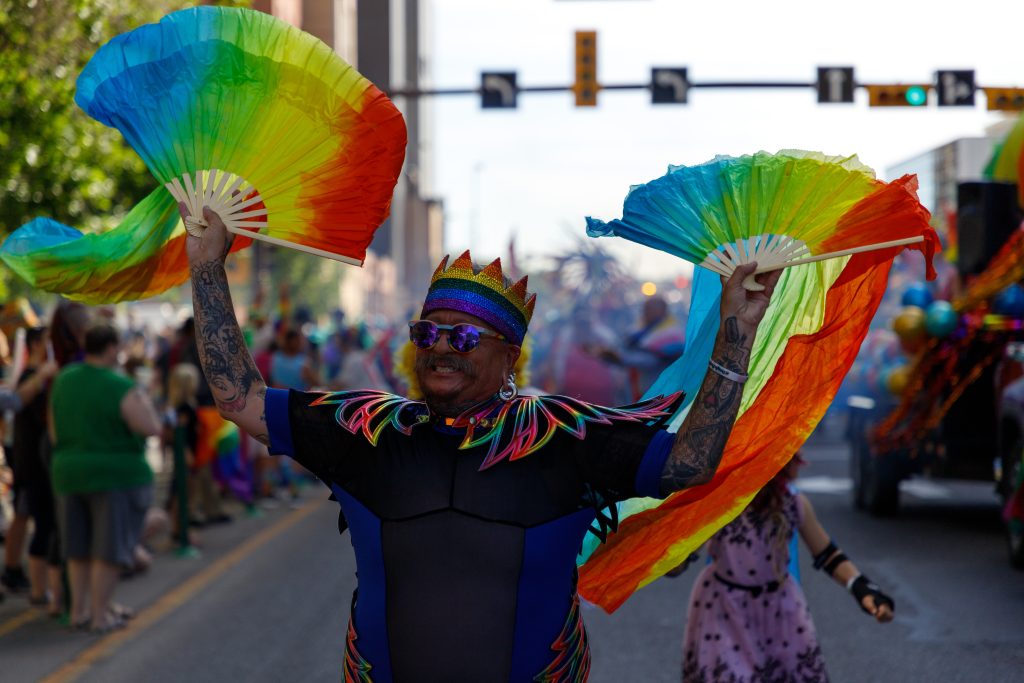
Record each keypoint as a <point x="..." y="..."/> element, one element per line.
<point x="897" y="379"/>
<point x="917" y="294"/>
<point x="909" y="324"/>
<point x="1010" y="302"/>
<point x="941" y="319"/>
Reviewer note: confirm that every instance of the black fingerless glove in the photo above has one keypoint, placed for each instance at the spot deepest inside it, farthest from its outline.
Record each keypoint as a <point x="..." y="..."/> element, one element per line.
<point x="863" y="586"/>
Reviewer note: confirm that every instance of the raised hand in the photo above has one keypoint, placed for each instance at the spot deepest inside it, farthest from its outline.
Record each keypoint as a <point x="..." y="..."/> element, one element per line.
<point x="746" y="306"/>
<point x="214" y="242"/>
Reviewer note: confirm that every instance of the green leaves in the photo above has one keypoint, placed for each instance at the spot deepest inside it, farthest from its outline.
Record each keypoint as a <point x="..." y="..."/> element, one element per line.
<point x="54" y="160"/>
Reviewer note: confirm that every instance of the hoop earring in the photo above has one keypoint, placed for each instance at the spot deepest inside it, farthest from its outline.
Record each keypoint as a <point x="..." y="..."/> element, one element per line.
<point x="509" y="390"/>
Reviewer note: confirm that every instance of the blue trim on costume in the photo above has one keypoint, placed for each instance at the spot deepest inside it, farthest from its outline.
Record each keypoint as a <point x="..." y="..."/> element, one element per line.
<point x="279" y="424"/>
<point x="648" y="475"/>
<point x="545" y="591"/>
<point x="371" y="604"/>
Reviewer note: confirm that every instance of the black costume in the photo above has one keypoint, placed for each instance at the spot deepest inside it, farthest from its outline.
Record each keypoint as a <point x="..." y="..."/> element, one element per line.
<point x="466" y="549"/>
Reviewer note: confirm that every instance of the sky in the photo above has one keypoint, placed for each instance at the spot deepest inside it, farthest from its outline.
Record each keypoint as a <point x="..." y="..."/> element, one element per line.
<point x="536" y="171"/>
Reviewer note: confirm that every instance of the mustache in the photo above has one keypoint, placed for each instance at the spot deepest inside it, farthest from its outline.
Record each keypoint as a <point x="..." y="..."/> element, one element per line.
<point x="432" y="361"/>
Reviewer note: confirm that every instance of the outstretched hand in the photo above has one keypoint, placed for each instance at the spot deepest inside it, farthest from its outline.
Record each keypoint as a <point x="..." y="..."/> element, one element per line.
<point x="880" y="610"/>
<point x="213" y="244"/>
<point x="746" y="306"/>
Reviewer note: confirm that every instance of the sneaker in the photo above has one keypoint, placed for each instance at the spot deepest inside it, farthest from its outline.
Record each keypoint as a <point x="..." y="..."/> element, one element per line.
<point x="14" y="580"/>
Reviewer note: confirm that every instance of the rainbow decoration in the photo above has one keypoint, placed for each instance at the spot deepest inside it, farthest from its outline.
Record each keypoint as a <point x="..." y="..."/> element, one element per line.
<point x="507" y="309"/>
<point x="572" y="663"/>
<point x="141" y="257"/>
<point x="777" y="209"/>
<point x="810" y="335"/>
<point x="229" y="108"/>
<point x="220" y="446"/>
<point x="526" y="424"/>
<point x="1007" y="162"/>
<point x="510" y="429"/>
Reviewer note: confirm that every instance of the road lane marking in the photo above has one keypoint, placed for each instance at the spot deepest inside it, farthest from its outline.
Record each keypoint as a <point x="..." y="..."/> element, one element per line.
<point x="918" y="488"/>
<point x="926" y="490"/>
<point x="108" y="645"/>
<point x="17" y="622"/>
<point x="822" y="484"/>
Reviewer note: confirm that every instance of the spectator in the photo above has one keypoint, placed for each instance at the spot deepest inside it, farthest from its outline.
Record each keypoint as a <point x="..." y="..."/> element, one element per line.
<point x="290" y="367"/>
<point x="100" y="475"/>
<point x="182" y="385"/>
<point x="651" y="348"/>
<point x="359" y="368"/>
<point x="33" y="498"/>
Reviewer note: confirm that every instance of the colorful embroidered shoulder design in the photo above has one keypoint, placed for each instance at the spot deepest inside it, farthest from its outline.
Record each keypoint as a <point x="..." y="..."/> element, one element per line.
<point x="511" y="429"/>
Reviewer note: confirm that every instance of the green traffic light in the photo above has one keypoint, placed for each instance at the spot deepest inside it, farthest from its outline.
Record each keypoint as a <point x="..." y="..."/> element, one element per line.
<point x="916" y="96"/>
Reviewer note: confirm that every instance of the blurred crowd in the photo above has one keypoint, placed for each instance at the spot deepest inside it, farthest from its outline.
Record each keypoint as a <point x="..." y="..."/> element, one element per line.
<point x="102" y="419"/>
<point x="113" y="449"/>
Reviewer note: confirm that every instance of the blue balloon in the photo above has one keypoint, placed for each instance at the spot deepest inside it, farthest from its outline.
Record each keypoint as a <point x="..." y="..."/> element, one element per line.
<point x="1010" y="302"/>
<point x="917" y="294"/>
<point x="940" y="319"/>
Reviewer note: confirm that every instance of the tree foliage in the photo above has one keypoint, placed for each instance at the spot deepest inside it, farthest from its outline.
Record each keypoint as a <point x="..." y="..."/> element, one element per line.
<point x="55" y="161"/>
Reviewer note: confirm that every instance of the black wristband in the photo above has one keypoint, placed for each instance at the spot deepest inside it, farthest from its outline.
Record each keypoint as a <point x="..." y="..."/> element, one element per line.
<point x="831" y="565"/>
<point x="822" y="557"/>
<point x="863" y="587"/>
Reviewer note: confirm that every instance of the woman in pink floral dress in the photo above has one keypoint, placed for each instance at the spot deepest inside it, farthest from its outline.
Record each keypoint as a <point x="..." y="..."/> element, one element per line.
<point x="748" y="619"/>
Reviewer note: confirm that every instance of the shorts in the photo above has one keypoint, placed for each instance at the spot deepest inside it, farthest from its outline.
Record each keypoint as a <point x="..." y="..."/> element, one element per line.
<point x="20" y="502"/>
<point x="103" y="526"/>
<point x="41" y="508"/>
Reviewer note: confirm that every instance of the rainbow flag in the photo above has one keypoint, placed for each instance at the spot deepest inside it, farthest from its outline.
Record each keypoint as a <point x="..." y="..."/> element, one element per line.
<point x="808" y="341"/>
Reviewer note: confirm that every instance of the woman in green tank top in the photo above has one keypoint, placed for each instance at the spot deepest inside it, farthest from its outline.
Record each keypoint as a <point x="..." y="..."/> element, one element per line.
<point x="100" y="420"/>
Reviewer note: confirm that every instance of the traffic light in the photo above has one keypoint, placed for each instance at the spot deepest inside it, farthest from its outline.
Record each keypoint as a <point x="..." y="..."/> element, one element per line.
<point x="955" y="88"/>
<point x="835" y="84"/>
<point x="914" y="95"/>
<point x="1005" y="99"/>
<point x="586" y="85"/>
<point x="498" y="90"/>
<point x="669" y="85"/>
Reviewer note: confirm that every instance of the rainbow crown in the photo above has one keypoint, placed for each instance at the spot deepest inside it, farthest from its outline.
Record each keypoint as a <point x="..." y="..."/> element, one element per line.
<point x="507" y="309"/>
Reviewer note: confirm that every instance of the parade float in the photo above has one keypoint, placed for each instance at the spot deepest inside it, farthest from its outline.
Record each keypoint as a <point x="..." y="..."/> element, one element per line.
<point x="938" y="387"/>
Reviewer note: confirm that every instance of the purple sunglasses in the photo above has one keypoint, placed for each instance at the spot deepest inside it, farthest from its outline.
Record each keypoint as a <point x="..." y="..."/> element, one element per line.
<point x="462" y="338"/>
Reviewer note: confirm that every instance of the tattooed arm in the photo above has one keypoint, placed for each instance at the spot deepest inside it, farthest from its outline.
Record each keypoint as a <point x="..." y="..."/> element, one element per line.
<point x="699" y="444"/>
<point x="236" y="384"/>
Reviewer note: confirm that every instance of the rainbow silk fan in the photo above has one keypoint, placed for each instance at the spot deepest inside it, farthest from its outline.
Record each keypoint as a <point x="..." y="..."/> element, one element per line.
<point x="1007" y="162"/>
<point x="780" y="210"/>
<point x="720" y="214"/>
<point x="234" y="110"/>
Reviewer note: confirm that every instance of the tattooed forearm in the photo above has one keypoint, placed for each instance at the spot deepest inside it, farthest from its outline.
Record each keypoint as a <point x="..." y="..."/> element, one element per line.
<point x="226" y="362"/>
<point x="699" y="444"/>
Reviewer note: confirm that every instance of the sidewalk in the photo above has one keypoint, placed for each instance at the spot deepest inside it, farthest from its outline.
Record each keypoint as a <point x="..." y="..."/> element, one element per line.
<point x="33" y="646"/>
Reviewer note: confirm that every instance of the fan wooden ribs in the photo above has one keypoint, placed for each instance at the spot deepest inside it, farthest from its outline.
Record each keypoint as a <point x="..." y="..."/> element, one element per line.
<point x="229" y="196"/>
<point x="773" y="252"/>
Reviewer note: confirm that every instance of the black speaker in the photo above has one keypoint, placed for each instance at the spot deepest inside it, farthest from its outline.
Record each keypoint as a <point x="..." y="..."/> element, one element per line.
<point x="986" y="216"/>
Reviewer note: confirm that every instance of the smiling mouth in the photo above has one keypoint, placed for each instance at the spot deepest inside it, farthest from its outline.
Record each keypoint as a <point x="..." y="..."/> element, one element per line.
<point x="445" y="369"/>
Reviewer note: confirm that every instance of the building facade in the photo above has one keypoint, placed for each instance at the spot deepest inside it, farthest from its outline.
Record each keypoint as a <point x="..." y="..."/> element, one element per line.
<point x="389" y="42"/>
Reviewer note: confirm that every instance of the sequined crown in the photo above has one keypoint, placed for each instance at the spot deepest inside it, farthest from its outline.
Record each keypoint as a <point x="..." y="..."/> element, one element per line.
<point x="507" y="309"/>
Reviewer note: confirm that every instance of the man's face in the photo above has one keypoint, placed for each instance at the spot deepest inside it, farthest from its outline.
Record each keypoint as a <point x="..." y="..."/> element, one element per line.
<point x="453" y="381"/>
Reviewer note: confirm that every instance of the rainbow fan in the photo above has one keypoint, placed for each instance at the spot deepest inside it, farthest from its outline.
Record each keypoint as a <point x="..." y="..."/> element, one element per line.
<point x="780" y="210"/>
<point x="820" y="312"/>
<point x="239" y="111"/>
<point x="1007" y="162"/>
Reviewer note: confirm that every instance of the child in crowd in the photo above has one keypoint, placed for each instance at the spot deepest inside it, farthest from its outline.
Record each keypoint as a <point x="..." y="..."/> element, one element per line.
<point x="748" y="619"/>
<point x="182" y="386"/>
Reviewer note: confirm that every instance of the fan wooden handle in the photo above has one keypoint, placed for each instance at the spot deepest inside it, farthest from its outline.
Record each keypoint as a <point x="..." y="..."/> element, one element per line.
<point x="752" y="285"/>
<point x="231" y="201"/>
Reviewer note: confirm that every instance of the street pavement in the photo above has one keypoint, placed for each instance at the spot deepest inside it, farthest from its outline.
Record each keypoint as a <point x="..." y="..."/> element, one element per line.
<point x="269" y="600"/>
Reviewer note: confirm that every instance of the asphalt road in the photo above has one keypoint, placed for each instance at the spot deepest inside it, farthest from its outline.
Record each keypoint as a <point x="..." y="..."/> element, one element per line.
<point x="278" y="611"/>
